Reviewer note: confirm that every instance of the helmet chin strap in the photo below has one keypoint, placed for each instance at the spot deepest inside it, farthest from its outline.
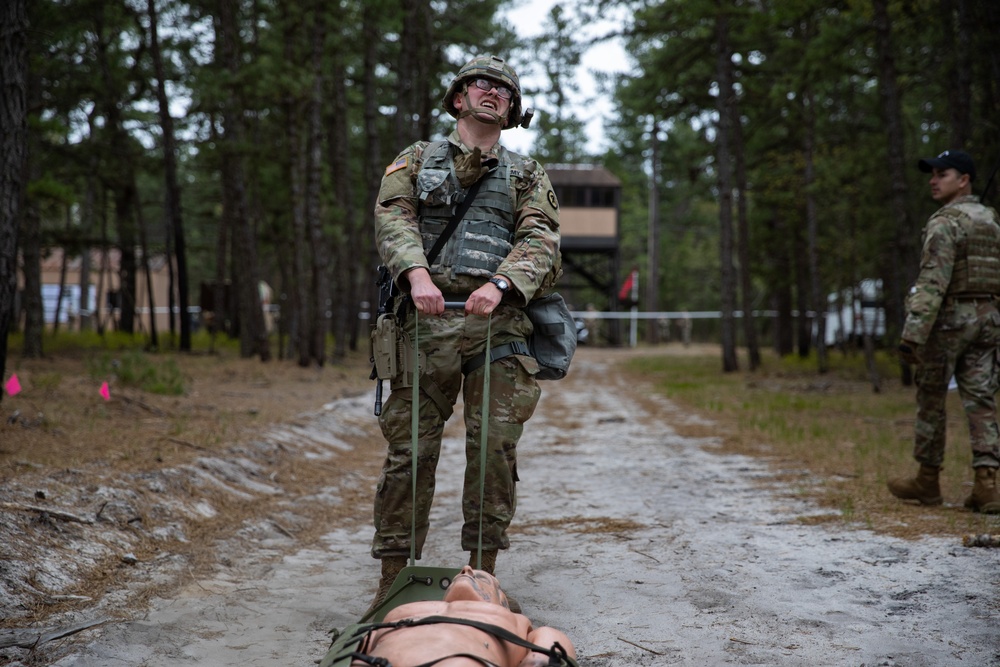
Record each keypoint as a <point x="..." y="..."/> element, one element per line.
<point x="469" y="110"/>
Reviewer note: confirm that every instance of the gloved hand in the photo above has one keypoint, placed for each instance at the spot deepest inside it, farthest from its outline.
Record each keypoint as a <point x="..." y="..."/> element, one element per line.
<point x="909" y="351"/>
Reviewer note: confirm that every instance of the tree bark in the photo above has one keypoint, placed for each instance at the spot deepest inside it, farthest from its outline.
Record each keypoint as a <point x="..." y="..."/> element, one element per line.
<point x="373" y="158"/>
<point x="904" y="258"/>
<point x="956" y="24"/>
<point x="154" y="338"/>
<point x="121" y="176"/>
<point x="812" y="226"/>
<point x="174" y="217"/>
<point x="13" y="151"/>
<point x="301" y="316"/>
<point x="653" y="236"/>
<point x="724" y="65"/>
<point x="31" y="268"/>
<point x="320" y="307"/>
<point x="253" y="336"/>
<point x="743" y="236"/>
<point x="347" y="288"/>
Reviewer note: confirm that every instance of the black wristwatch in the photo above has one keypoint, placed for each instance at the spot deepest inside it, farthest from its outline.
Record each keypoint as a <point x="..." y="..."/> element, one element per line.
<point x="501" y="284"/>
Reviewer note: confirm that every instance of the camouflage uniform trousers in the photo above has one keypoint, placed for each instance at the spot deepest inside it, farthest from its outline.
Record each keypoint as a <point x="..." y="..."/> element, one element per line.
<point x="446" y="342"/>
<point x="962" y="343"/>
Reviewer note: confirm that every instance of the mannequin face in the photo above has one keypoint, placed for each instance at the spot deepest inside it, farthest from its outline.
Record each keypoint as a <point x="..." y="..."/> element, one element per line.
<point x="475" y="585"/>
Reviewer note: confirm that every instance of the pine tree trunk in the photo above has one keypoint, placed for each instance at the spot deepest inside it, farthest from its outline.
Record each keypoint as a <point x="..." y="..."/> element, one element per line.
<point x="904" y="252"/>
<point x="349" y="266"/>
<point x="373" y="158"/>
<point x="320" y="306"/>
<point x="812" y="227"/>
<point x="253" y="336"/>
<point x="653" y="237"/>
<point x="13" y="149"/>
<point x="173" y="216"/>
<point x="743" y="237"/>
<point x="724" y="65"/>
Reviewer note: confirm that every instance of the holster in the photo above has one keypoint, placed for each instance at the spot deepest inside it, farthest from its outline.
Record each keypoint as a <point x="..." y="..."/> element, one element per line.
<point x="385" y="337"/>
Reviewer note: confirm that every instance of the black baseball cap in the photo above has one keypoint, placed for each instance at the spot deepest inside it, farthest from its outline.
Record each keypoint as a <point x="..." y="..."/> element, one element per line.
<point x="958" y="160"/>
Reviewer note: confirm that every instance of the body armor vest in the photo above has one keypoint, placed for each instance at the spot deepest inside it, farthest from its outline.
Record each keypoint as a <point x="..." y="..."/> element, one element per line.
<point x="485" y="236"/>
<point x="977" y="253"/>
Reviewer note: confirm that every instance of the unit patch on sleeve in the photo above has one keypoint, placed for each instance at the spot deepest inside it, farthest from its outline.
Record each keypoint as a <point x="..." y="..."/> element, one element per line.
<point x="552" y="200"/>
<point x="397" y="165"/>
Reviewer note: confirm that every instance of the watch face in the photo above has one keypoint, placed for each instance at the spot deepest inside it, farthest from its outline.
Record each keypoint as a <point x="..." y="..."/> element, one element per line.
<point x="501" y="284"/>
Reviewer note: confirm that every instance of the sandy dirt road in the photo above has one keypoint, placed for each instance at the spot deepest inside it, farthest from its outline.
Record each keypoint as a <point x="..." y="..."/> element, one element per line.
<point x="645" y="547"/>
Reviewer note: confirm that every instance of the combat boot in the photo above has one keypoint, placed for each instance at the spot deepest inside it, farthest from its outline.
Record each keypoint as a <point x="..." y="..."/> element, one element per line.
<point x="489" y="561"/>
<point x="391" y="567"/>
<point x="984" y="497"/>
<point x="923" y="488"/>
<point x="489" y="564"/>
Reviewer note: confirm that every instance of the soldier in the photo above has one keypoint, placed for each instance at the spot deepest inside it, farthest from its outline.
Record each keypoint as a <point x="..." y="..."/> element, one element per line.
<point x="952" y="329"/>
<point x="473" y="596"/>
<point x="505" y="249"/>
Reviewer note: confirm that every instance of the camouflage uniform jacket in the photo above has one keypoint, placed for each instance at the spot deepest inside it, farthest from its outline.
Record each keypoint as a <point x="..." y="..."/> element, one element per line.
<point x="532" y="264"/>
<point x="961" y="244"/>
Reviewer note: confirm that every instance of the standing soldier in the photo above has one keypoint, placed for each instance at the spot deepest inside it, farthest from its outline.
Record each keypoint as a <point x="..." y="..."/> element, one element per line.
<point x="952" y="329"/>
<point x="503" y="251"/>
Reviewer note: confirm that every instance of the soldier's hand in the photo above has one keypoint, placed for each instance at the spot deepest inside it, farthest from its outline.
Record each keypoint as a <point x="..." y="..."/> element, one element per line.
<point x="909" y="352"/>
<point x="424" y="293"/>
<point x="484" y="300"/>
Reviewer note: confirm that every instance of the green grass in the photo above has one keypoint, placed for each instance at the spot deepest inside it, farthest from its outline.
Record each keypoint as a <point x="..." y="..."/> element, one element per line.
<point x="829" y="436"/>
<point x="133" y="368"/>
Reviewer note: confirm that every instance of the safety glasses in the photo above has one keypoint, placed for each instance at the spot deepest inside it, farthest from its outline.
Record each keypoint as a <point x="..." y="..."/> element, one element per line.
<point x="503" y="91"/>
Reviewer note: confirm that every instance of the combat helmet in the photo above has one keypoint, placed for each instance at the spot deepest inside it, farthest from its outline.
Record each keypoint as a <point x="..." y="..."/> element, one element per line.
<point x="490" y="67"/>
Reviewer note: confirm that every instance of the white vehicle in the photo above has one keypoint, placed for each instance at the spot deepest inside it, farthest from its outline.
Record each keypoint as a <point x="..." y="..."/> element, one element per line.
<point x="854" y="312"/>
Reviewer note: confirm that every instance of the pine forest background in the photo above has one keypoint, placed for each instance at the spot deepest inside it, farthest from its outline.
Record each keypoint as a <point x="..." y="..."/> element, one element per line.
<point x="767" y="148"/>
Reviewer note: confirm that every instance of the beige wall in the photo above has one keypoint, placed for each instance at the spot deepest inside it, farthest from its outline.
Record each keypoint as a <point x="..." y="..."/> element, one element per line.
<point x="588" y="221"/>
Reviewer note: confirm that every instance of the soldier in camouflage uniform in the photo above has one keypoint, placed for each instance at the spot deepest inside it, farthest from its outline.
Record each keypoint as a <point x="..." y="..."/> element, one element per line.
<point x="504" y="251"/>
<point x="952" y="329"/>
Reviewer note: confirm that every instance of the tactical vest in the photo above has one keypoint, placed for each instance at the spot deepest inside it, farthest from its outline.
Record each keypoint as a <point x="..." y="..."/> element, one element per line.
<point x="485" y="236"/>
<point x="977" y="253"/>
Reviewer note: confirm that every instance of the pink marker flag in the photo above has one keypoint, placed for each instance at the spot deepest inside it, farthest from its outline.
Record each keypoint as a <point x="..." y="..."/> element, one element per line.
<point x="13" y="385"/>
<point x="105" y="392"/>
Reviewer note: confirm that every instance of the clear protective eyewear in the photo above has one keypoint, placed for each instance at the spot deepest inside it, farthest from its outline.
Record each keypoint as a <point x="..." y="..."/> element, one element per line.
<point x="503" y="92"/>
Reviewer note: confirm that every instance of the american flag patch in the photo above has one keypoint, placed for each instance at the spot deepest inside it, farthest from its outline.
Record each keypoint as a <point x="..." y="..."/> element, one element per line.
<point x="397" y="165"/>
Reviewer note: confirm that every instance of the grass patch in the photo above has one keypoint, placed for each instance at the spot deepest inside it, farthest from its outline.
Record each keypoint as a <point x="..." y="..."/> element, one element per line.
<point x="828" y="437"/>
<point x="136" y="369"/>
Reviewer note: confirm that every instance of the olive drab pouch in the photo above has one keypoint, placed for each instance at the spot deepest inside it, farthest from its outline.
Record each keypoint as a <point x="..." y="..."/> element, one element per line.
<point x="385" y="347"/>
<point x="553" y="341"/>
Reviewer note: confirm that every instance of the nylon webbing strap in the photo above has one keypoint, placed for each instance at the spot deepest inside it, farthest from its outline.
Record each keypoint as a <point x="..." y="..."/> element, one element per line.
<point x="414" y="436"/>
<point x="498" y="352"/>
<point x="483" y="439"/>
<point x="557" y="653"/>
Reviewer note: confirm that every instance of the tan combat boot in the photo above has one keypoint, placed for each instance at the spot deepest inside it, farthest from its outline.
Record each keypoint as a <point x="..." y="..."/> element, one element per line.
<point x="391" y="567"/>
<point x="489" y="564"/>
<point x="489" y="559"/>
<point x="984" y="496"/>
<point x="923" y="488"/>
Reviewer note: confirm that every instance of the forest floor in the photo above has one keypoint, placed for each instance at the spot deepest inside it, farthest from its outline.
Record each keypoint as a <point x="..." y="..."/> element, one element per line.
<point x="229" y="525"/>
